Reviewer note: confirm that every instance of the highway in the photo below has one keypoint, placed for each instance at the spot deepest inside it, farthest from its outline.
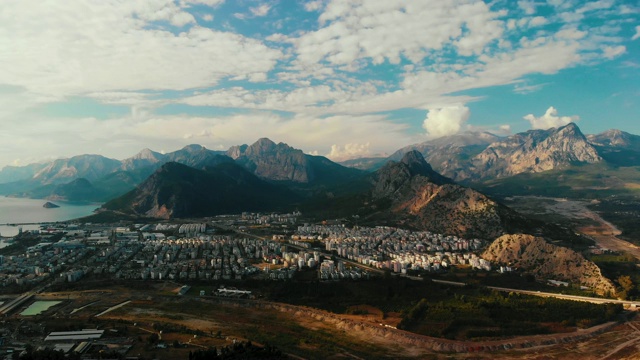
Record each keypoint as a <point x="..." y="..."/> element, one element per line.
<point x="568" y="297"/>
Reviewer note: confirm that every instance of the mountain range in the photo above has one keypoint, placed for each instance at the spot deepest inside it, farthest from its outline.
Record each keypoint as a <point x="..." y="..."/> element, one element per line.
<point x="470" y="158"/>
<point x="422" y="186"/>
<point x="478" y="156"/>
<point x="104" y="179"/>
<point x="176" y="190"/>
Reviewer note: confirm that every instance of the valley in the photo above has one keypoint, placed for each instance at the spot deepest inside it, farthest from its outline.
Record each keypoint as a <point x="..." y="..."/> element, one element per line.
<point x="577" y="214"/>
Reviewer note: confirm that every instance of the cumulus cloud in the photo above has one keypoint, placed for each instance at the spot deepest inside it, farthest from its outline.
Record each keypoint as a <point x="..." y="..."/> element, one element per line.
<point x="538" y="21"/>
<point x="349" y="151"/>
<point x="261" y="10"/>
<point x="637" y="34"/>
<point x="445" y="121"/>
<point x="75" y="47"/>
<point x="504" y="130"/>
<point x="313" y="5"/>
<point x="611" y="52"/>
<point x="550" y="119"/>
<point x="529" y="7"/>
<point x="377" y="31"/>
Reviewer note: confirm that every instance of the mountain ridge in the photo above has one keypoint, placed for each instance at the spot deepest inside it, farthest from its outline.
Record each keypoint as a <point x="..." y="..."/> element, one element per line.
<point x="468" y="157"/>
<point x="176" y="190"/>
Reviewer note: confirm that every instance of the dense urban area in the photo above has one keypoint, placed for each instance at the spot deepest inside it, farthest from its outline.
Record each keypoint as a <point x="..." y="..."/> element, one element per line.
<point x="65" y="253"/>
<point x="217" y="251"/>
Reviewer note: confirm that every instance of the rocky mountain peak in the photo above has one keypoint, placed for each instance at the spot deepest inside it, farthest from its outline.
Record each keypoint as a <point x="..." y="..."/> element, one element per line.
<point x="417" y="165"/>
<point x="193" y="148"/>
<point x="424" y="199"/>
<point x="272" y="161"/>
<point x="146" y="154"/>
<point x="395" y="179"/>
<point x="263" y="145"/>
<point x="569" y="131"/>
<point x="414" y="158"/>
<point x="616" y="139"/>
<point x="535" y="151"/>
<point x="236" y="151"/>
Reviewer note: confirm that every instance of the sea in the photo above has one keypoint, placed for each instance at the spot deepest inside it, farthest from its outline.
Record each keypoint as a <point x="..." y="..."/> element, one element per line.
<point x="30" y="211"/>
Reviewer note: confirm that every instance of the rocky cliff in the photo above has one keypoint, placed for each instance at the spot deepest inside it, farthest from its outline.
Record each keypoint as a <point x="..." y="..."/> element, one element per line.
<point x="616" y="139"/>
<point x="534" y="151"/>
<point x="423" y="199"/>
<point x="478" y="156"/>
<point x="547" y="261"/>
<point x="272" y="161"/>
<point x="281" y="162"/>
<point x="451" y="155"/>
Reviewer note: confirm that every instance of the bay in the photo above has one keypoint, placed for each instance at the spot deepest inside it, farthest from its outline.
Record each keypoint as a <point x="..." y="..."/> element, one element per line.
<point x="31" y="211"/>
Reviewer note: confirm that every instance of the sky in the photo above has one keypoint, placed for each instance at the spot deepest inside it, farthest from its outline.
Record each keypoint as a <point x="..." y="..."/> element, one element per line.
<point x="338" y="78"/>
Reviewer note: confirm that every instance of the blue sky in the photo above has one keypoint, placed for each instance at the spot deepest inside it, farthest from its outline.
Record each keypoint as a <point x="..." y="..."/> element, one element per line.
<point x="340" y="78"/>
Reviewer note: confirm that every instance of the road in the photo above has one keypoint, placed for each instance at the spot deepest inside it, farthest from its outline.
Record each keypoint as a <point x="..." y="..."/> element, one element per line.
<point x="568" y="297"/>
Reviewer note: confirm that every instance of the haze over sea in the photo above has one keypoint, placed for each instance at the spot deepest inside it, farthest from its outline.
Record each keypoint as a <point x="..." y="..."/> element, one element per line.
<point x="27" y="211"/>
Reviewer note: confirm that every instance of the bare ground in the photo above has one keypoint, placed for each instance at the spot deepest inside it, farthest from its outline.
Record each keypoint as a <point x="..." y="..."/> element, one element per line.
<point x="603" y="232"/>
<point x="309" y="333"/>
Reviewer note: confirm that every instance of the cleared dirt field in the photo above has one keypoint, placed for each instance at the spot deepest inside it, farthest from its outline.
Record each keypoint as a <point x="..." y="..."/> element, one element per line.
<point x="603" y="232"/>
<point x="195" y="322"/>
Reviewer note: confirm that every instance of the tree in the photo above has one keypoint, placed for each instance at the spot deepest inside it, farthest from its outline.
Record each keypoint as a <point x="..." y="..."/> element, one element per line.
<point x="153" y="338"/>
<point x="628" y="287"/>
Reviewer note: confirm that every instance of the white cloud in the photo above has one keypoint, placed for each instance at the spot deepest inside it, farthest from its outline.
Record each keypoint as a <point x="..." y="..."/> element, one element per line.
<point x="637" y="34"/>
<point x="528" y="6"/>
<point x="562" y="4"/>
<point x="504" y="130"/>
<point x="343" y="46"/>
<point x="75" y="47"/>
<point x="550" y="119"/>
<point x="261" y="10"/>
<point x="527" y="89"/>
<point x="313" y="5"/>
<point x="538" y="21"/>
<point x="211" y="3"/>
<point x="377" y="30"/>
<point x="121" y="97"/>
<point x="611" y="52"/>
<point x="129" y="52"/>
<point x="349" y="151"/>
<point x="596" y="5"/>
<point x="445" y="121"/>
